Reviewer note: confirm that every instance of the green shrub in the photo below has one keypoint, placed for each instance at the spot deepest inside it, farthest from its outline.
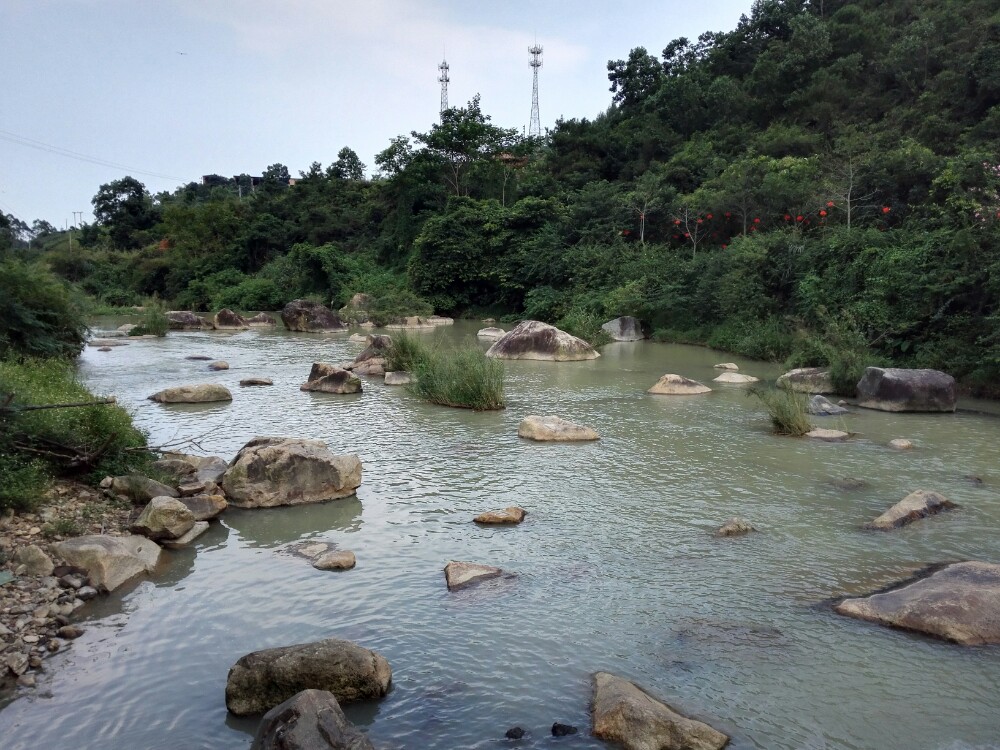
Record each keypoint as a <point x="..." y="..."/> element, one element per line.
<point x="251" y="294"/>
<point x="406" y="352"/>
<point x="840" y="346"/>
<point x="787" y="409"/>
<point x="23" y="480"/>
<point x="584" y="325"/>
<point x="153" y="320"/>
<point x="464" y="378"/>
<point x="91" y="440"/>
<point x="40" y="315"/>
<point x="398" y="303"/>
<point x="768" y="340"/>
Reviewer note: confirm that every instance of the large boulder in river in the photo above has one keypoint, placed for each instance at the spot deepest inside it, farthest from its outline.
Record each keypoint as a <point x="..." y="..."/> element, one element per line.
<point x="532" y="339"/>
<point x="960" y="603"/>
<point x="310" y="317"/>
<point x="261" y="320"/>
<point x="185" y="320"/>
<point x="735" y="378"/>
<point x="205" y="468"/>
<point x="625" y="713"/>
<point x="916" y="505"/>
<point x="821" y="406"/>
<point x="378" y="347"/>
<point x="625" y="328"/>
<point x="554" y="429"/>
<point x="110" y="560"/>
<point x="164" y="518"/>
<point x="897" y="389"/>
<point x="193" y="394"/>
<point x="327" y="378"/>
<point x="678" y="385"/>
<point x="270" y="471"/>
<point x="227" y="320"/>
<point x="263" y="679"/>
<point x="309" y="720"/>
<point x="807" y="380"/>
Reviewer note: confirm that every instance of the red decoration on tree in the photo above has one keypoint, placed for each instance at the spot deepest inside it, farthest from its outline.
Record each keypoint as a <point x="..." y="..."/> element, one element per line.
<point x="756" y="221"/>
<point x="724" y="247"/>
<point x="687" y="235"/>
<point x="708" y="216"/>
<point x="829" y="204"/>
<point x="822" y="213"/>
<point x="787" y="217"/>
<point x="677" y="222"/>
<point x="798" y="218"/>
<point x="886" y="209"/>
<point x="699" y="221"/>
<point x="728" y="214"/>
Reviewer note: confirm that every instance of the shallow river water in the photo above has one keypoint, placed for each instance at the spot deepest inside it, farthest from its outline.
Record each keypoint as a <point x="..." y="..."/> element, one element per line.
<point x="615" y="567"/>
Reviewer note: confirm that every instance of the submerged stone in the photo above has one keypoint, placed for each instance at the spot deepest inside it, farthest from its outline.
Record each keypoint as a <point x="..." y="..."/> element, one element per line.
<point x="458" y="575"/>
<point x="914" y="506"/>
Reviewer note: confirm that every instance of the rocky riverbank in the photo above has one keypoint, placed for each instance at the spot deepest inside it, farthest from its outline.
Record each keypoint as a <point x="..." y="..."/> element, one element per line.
<point x="39" y="593"/>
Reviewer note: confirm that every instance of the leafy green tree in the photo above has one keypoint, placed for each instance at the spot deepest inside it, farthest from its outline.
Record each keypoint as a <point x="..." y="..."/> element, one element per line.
<point x="125" y="208"/>
<point x="348" y="166"/>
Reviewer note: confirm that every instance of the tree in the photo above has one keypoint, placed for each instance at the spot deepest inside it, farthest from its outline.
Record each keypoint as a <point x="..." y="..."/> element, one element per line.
<point x="124" y="208"/>
<point x="635" y="79"/>
<point x="348" y="166"/>
<point x="463" y="138"/>
<point x="646" y="198"/>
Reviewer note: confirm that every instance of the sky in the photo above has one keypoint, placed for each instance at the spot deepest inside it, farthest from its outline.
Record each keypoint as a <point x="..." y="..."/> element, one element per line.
<point x="170" y="90"/>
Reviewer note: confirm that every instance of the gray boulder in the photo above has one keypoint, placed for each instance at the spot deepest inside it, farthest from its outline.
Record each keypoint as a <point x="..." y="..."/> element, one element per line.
<point x="204" y="507"/>
<point x="821" y="406"/>
<point x="270" y="471"/>
<point x="227" y="320"/>
<point x="263" y="679"/>
<point x="185" y="320"/>
<point x="140" y="489"/>
<point x="625" y="328"/>
<point x="914" y="506"/>
<point x="164" y="518"/>
<point x="110" y="560"/>
<point x="807" y="380"/>
<point x="34" y="560"/>
<point x="199" y="528"/>
<point x="897" y="389"/>
<point x="206" y="468"/>
<point x="532" y="339"/>
<point x="326" y="378"/>
<point x="458" y="574"/>
<point x="623" y="712"/>
<point x="554" y="429"/>
<point x="193" y="394"/>
<point x="309" y="720"/>
<point x="261" y="320"/>
<point x="960" y="603"/>
<point x="310" y="317"/>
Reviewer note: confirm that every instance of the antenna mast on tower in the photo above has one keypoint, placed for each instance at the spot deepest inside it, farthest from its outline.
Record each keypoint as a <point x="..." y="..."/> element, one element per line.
<point x="444" y="78"/>
<point x="535" y="128"/>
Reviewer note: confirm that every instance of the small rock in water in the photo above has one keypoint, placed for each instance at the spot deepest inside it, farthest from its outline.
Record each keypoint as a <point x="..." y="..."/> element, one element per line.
<point x="104" y="349"/>
<point x="26" y="680"/>
<point x="916" y="505"/>
<point x="256" y="381"/>
<point x="514" y="733"/>
<point x="735" y="527"/>
<point x="971" y="479"/>
<point x="901" y="444"/>
<point x="220" y="365"/>
<point x="198" y="357"/>
<point x="830" y="436"/>
<point x="69" y="632"/>
<point x="727" y="366"/>
<point x="561" y="730"/>
<point x="513" y="514"/>
<point x="460" y="574"/>
<point x="338" y="560"/>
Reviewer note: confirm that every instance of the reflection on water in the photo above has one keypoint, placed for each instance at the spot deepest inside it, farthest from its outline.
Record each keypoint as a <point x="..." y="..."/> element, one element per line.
<point x="615" y="567"/>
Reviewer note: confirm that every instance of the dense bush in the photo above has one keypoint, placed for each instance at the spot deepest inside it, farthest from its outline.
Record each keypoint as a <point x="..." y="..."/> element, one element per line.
<point x="91" y="441"/>
<point x="464" y="378"/>
<point x="40" y="315"/>
<point x="153" y="320"/>
<point x="787" y="409"/>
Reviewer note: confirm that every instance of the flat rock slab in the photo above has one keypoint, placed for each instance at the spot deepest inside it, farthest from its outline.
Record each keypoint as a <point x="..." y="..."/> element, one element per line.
<point x="491" y="333"/>
<point x="246" y="382"/>
<point x="830" y="436"/>
<point x="532" y="339"/>
<point x="204" y="507"/>
<point x="398" y="378"/>
<point x="261" y="680"/>
<point x="510" y="515"/>
<point x="914" y="506"/>
<point x="735" y="378"/>
<point x="623" y="712"/>
<point x="193" y="394"/>
<point x="727" y="366"/>
<point x="335" y="560"/>
<point x="110" y="560"/>
<point x="899" y="389"/>
<point x="677" y="385"/>
<point x="106" y="342"/>
<point x="199" y="528"/>
<point x="461" y="574"/>
<point x="960" y="603"/>
<point x="554" y="429"/>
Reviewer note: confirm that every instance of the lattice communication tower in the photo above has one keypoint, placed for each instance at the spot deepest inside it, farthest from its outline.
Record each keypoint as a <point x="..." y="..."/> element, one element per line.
<point x="535" y="128"/>
<point x="443" y="79"/>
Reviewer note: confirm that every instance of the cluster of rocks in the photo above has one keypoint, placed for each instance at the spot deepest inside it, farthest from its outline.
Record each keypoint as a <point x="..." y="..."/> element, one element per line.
<point x="224" y="320"/>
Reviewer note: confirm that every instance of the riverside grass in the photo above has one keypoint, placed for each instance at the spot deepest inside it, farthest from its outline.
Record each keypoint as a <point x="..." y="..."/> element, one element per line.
<point x="787" y="409"/>
<point x="464" y="378"/>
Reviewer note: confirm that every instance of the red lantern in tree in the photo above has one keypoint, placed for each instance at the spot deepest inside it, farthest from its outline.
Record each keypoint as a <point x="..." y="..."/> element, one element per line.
<point x="708" y="216"/>
<point x="886" y="209"/>
<point x="677" y="222"/>
<point x="698" y="221"/>
<point x="756" y="221"/>
<point x="829" y="204"/>
<point x="822" y="213"/>
<point x="799" y="217"/>
<point x="728" y="214"/>
<point x="724" y="247"/>
<point x="687" y="235"/>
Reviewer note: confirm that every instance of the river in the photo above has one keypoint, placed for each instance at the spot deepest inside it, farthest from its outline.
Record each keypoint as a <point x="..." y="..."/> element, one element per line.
<point x="615" y="567"/>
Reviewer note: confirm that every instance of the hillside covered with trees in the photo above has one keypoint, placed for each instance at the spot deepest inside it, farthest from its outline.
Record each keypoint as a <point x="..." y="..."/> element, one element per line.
<point x="820" y="185"/>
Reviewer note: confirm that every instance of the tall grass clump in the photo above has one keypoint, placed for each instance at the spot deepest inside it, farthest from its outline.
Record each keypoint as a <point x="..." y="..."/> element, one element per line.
<point x="37" y="445"/>
<point x="153" y="320"/>
<point x="406" y="352"/>
<point x="464" y="378"/>
<point x="788" y="410"/>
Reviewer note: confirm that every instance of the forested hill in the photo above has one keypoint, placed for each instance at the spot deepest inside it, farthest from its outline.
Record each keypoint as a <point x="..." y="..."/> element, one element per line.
<point x="820" y="184"/>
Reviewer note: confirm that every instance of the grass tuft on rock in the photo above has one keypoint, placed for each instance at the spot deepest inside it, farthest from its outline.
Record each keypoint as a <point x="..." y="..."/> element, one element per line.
<point x="405" y="353"/>
<point x="153" y="321"/>
<point x="788" y="410"/>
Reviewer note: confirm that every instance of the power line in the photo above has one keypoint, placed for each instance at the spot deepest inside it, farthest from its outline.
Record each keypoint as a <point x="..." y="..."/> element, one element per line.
<point x="59" y="151"/>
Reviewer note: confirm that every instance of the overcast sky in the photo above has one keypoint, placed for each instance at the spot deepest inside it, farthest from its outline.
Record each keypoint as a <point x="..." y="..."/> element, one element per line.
<point x="169" y="90"/>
